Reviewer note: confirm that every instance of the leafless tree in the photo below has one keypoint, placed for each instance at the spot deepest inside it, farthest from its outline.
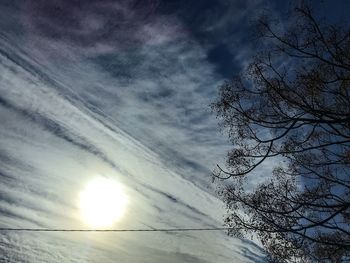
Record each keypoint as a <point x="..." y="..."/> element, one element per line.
<point x="291" y="107"/>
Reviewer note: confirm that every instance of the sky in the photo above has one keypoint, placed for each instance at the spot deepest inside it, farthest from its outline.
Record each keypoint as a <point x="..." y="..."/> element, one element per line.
<point x="118" y="90"/>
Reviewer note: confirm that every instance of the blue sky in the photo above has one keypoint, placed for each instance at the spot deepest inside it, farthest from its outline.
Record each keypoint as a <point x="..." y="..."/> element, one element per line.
<point x="120" y="90"/>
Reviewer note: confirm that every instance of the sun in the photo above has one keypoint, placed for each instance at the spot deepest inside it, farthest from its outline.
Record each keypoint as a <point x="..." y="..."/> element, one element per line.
<point x="102" y="202"/>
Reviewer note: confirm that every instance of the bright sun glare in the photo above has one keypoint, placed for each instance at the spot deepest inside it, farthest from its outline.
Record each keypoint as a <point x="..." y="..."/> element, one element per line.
<point x="102" y="202"/>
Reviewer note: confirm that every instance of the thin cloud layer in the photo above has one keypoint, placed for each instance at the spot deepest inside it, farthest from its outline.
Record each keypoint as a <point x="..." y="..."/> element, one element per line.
<point x="86" y="23"/>
<point x="99" y="88"/>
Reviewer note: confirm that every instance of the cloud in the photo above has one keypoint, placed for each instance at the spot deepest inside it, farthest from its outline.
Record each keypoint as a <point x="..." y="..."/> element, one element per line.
<point x="85" y="23"/>
<point x="120" y="90"/>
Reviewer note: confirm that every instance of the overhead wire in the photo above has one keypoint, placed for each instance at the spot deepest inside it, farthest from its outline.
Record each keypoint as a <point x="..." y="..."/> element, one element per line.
<point x="2" y="229"/>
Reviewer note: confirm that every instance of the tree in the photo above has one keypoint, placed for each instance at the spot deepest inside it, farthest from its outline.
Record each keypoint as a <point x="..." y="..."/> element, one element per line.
<point x="291" y="108"/>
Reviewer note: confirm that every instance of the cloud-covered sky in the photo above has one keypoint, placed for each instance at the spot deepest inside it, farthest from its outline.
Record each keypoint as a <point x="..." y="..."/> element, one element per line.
<point x="120" y="90"/>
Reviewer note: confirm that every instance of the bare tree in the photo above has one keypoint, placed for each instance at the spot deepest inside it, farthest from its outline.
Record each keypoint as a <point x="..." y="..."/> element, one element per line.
<point x="291" y="107"/>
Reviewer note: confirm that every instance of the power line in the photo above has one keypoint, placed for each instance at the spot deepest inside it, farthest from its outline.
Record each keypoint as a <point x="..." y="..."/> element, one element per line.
<point x="113" y="230"/>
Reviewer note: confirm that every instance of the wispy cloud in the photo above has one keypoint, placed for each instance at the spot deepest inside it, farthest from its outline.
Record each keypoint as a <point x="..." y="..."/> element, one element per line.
<point x="77" y="101"/>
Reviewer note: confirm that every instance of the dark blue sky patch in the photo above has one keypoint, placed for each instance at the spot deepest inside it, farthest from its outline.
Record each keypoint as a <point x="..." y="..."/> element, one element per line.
<point x="221" y="56"/>
<point x="217" y="24"/>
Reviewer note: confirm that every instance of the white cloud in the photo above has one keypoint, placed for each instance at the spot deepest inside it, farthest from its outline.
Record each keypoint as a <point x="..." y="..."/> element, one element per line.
<point x="138" y="115"/>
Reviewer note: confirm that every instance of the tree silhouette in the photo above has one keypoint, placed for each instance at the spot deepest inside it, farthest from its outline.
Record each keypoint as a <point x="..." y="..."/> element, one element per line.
<point x="291" y="108"/>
